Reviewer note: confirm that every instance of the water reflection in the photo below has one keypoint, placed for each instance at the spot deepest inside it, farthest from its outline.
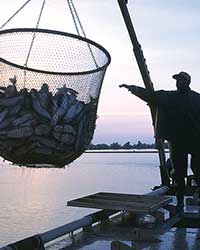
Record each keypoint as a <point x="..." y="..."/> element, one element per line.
<point x="34" y="200"/>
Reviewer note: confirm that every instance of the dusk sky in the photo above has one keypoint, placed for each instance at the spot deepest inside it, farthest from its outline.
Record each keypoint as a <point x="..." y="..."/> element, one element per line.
<point x="168" y="31"/>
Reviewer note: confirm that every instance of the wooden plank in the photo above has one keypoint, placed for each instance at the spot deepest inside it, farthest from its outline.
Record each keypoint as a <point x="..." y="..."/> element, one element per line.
<point x="125" y="197"/>
<point x="114" y="205"/>
<point x="152" y="205"/>
<point x="109" y="207"/>
<point x="144" y="198"/>
<point x="129" y="197"/>
<point x="114" y="201"/>
<point x="139" y="196"/>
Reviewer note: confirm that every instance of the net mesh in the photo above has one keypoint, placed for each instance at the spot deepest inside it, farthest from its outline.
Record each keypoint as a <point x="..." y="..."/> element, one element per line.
<point x="55" y="82"/>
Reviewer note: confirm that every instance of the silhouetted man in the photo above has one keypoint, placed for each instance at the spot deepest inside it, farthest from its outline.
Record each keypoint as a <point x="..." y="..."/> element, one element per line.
<point x="178" y="121"/>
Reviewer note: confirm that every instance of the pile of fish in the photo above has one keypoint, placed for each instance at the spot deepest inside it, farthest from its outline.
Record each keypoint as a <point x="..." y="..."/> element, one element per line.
<point x="38" y="127"/>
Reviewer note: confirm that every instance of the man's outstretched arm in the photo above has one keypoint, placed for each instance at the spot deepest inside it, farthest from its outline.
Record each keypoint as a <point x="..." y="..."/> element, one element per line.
<point x="140" y="92"/>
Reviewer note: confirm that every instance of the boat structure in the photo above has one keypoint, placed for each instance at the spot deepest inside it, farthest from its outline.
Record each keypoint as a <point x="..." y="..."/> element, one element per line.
<point x="128" y="221"/>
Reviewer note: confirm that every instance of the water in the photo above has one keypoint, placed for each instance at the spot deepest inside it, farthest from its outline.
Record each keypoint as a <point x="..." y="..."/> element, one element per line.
<point x="33" y="201"/>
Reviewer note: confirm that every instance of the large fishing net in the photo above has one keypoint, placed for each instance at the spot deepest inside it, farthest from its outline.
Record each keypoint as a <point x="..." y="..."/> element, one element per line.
<point x="50" y="83"/>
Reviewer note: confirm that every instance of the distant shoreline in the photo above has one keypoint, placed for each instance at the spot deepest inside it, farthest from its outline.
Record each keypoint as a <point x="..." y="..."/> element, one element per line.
<point x="123" y="151"/>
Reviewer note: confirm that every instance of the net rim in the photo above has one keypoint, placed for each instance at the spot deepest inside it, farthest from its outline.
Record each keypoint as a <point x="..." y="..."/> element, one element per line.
<point x="61" y="33"/>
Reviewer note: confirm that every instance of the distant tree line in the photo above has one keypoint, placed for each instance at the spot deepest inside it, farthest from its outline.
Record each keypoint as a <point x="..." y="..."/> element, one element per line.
<point x="127" y="145"/>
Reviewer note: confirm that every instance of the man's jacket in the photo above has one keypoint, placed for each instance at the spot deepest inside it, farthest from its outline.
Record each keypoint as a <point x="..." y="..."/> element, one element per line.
<point x="178" y="113"/>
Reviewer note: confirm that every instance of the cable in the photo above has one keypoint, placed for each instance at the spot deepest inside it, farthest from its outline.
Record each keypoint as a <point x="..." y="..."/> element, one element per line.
<point x="76" y="20"/>
<point x="15" y="14"/>
<point x="38" y="22"/>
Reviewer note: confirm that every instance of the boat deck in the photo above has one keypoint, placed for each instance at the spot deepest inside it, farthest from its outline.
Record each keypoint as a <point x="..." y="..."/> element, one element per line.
<point x="124" y="231"/>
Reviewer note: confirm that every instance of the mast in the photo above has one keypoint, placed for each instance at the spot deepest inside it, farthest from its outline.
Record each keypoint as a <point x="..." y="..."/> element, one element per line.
<point x="148" y="85"/>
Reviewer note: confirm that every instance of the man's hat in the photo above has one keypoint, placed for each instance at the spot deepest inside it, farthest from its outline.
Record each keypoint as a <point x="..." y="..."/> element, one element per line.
<point x="184" y="75"/>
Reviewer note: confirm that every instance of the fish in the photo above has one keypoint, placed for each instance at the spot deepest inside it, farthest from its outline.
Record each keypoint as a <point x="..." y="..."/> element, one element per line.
<point x="38" y="108"/>
<point x="71" y="91"/>
<point x="56" y="135"/>
<point x="11" y="91"/>
<point x="44" y="96"/>
<point x="41" y="124"/>
<point x="54" y="106"/>
<point x="13" y="80"/>
<point x="21" y="132"/>
<point x="61" y="110"/>
<point x="68" y="90"/>
<point x="27" y="98"/>
<point x="42" y="129"/>
<point x="31" y="122"/>
<point x="73" y="111"/>
<point x="3" y="114"/>
<point x="6" y="123"/>
<point x="16" y="109"/>
<point x="43" y="141"/>
<point x="10" y="101"/>
<point x="22" y="119"/>
<point x="64" y="129"/>
<point x="67" y="139"/>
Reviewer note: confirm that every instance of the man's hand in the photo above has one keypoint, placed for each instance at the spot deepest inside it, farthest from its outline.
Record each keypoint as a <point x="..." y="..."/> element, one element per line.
<point x="124" y="86"/>
<point x="131" y="88"/>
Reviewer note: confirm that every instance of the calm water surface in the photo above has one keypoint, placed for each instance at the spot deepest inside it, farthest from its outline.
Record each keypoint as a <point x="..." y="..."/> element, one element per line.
<point x="34" y="200"/>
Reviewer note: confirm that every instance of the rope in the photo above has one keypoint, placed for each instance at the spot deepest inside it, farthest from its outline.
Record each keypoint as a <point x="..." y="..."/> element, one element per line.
<point x="73" y="17"/>
<point x="31" y="45"/>
<point x="15" y="14"/>
<point x="38" y="22"/>
<point x="76" y="20"/>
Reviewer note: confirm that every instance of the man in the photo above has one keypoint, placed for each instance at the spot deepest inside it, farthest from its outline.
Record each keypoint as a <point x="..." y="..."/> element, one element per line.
<point x="178" y="121"/>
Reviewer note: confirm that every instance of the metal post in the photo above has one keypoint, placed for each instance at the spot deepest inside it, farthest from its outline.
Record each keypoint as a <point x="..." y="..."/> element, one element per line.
<point x="165" y="180"/>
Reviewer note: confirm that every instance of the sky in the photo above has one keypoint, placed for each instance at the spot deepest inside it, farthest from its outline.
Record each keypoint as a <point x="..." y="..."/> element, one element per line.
<point x="168" y="31"/>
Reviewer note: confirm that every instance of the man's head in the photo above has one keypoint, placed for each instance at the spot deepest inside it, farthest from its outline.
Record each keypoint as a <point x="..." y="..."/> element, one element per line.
<point x="183" y="80"/>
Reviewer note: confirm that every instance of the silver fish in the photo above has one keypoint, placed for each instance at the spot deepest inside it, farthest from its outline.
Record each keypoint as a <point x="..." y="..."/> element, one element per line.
<point x="73" y="111"/>
<point x="68" y="90"/>
<point x="42" y="129"/>
<point x="44" y="96"/>
<point x="6" y="123"/>
<point x="16" y="109"/>
<point x="50" y="143"/>
<point x="69" y="129"/>
<point x="19" y="121"/>
<point x="11" y="91"/>
<point x="10" y="101"/>
<point x="71" y="91"/>
<point x="21" y="132"/>
<point x="31" y="122"/>
<point x="55" y="106"/>
<point x="60" y="111"/>
<point x="3" y="115"/>
<point x="38" y="108"/>
<point x="56" y="135"/>
<point x="64" y="129"/>
<point x="67" y="139"/>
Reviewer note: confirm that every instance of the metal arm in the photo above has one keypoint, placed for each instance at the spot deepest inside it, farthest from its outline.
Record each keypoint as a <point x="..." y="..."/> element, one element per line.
<point x="148" y="84"/>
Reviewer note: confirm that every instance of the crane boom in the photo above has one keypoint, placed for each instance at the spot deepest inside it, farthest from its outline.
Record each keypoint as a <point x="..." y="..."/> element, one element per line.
<point x="148" y="85"/>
